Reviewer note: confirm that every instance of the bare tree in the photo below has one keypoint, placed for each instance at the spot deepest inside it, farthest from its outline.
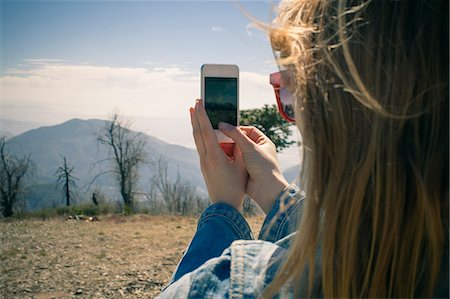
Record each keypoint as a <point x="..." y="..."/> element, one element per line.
<point x="179" y="195"/>
<point x="12" y="172"/>
<point x="160" y="183"/>
<point x="94" y="198"/>
<point x="66" y="180"/>
<point x="126" y="155"/>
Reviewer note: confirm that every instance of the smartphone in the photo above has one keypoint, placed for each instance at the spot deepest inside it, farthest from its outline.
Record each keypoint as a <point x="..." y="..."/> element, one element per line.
<point x="220" y="94"/>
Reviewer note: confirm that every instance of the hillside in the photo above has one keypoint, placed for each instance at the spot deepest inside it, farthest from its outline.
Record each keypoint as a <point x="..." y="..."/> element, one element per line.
<point x="76" y="140"/>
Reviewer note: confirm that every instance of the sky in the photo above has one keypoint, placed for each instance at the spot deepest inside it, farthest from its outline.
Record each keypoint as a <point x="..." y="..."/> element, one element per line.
<point x="63" y="59"/>
<point x="88" y="59"/>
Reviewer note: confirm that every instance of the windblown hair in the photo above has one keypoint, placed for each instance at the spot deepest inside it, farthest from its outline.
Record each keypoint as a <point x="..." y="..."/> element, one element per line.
<point x="371" y="86"/>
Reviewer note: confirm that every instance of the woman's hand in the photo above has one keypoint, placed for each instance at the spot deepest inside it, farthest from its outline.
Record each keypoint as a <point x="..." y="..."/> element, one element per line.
<point x="225" y="177"/>
<point x="265" y="181"/>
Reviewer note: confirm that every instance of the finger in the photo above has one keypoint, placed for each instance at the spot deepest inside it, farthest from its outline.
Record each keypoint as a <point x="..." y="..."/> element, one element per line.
<point x="206" y="129"/>
<point x="197" y="134"/>
<point x="235" y="133"/>
<point x="254" y="133"/>
<point x="239" y="159"/>
<point x="237" y="155"/>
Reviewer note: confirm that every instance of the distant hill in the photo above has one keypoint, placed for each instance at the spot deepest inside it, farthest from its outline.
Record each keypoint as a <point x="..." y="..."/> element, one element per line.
<point x="76" y="140"/>
<point x="292" y="174"/>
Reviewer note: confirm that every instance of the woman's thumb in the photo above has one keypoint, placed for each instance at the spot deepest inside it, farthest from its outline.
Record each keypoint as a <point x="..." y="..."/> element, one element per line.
<point x="239" y="137"/>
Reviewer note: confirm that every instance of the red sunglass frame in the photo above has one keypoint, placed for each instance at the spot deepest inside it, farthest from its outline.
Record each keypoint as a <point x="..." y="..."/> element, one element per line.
<point x="276" y="80"/>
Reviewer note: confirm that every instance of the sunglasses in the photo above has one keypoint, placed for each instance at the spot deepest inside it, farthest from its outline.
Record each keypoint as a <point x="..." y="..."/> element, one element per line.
<point x="280" y="82"/>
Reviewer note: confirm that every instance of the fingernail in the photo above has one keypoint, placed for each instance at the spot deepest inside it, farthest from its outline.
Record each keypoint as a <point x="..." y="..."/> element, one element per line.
<point x="225" y="126"/>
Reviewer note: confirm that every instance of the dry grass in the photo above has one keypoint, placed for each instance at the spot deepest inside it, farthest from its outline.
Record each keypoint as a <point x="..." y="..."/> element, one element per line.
<point x="131" y="257"/>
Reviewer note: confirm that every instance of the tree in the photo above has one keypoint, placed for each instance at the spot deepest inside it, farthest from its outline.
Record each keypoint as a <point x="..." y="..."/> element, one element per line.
<point x="66" y="180"/>
<point x="12" y="172"/>
<point x="270" y="122"/>
<point x="126" y="154"/>
<point x="94" y="198"/>
<point x="179" y="196"/>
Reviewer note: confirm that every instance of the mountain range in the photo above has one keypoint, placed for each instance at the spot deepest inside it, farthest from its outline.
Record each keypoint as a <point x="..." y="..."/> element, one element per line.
<point x="76" y="140"/>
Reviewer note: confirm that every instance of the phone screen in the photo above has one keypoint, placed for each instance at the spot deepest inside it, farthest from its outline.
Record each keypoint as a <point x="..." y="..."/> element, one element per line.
<point x="221" y="100"/>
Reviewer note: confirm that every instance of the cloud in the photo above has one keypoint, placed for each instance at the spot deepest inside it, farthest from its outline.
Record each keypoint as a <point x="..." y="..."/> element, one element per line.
<point x="63" y="90"/>
<point x="248" y="29"/>
<point x="85" y="90"/>
<point x="43" y="61"/>
<point x="255" y="90"/>
<point x="217" y="29"/>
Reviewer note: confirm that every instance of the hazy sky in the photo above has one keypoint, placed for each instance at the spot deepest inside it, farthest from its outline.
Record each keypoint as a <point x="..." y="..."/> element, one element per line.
<point x="64" y="59"/>
<point x="86" y="59"/>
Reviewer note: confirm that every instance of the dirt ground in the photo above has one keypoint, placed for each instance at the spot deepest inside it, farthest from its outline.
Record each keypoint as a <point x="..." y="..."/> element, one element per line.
<point x="116" y="257"/>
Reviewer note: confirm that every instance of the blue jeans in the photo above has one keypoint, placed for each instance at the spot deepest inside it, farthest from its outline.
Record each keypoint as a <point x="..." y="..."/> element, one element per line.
<point x="221" y="224"/>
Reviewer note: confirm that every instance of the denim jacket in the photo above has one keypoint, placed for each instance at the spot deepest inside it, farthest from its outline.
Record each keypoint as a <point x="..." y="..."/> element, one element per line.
<point x="224" y="261"/>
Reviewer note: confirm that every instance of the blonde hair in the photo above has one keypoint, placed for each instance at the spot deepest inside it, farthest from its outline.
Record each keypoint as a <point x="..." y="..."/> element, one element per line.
<point x="371" y="83"/>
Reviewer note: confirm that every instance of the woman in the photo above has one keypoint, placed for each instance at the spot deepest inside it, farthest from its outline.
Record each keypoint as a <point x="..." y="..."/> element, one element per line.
<point x="370" y="82"/>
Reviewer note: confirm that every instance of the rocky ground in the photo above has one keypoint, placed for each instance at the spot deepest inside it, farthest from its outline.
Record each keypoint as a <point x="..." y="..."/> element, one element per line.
<point x="116" y="257"/>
